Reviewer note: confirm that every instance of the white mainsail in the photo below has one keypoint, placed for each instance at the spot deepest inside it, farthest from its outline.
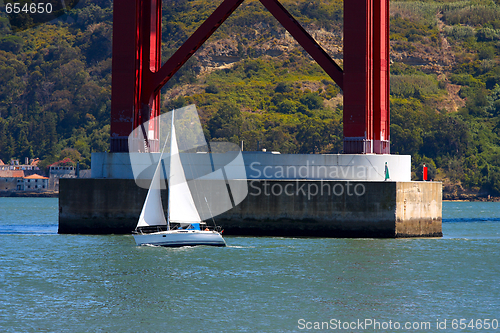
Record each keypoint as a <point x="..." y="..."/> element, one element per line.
<point x="181" y="207"/>
<point x="152" y="213"/>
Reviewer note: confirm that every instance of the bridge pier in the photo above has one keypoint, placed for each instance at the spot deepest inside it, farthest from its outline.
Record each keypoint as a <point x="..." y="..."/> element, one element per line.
<point x="313" y="208"/>
<point x="336" y="195"/>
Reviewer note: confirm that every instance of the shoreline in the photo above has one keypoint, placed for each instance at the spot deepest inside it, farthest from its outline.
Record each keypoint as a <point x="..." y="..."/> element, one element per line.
<point x="55" y="194"/>
<point x="18" y="194"/>
<point x="470" y="198"/>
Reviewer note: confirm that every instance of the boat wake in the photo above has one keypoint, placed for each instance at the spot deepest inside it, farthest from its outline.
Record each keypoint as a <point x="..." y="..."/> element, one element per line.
<point x="472" y="219"/>
<point x="47" y="229"/>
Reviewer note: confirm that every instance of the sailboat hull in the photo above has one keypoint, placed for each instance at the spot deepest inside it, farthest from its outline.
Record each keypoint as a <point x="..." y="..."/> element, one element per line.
<point x="177" y="238"/>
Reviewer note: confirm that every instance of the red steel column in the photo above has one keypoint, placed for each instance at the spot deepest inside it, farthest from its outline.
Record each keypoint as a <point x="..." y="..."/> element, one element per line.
<point x="366" y="77"/>
<point x="358" y="77"/>
<point x="147" y="104"/>
<point x="123" y="81"/>
<point x="381" y="78"/>
<point x="136" y="55"/>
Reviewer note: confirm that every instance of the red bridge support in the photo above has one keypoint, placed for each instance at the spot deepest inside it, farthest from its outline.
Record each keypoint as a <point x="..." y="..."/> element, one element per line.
<point x="136" y="56"/>
<point x="138" y="77"/>
<point x="366" y="76"/>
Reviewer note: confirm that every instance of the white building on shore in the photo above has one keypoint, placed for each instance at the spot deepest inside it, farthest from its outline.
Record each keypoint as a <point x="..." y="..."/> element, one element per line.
<point x="34" y="183"/>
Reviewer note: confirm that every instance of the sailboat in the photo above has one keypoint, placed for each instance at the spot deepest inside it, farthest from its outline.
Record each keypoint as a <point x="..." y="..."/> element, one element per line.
<point x="183" y="225"/>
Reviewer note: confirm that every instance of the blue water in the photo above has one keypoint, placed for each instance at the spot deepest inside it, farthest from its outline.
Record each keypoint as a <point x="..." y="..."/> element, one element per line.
<point x="79" y="283"/>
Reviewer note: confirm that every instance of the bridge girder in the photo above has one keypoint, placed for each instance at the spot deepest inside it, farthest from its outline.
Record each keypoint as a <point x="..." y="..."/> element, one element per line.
<point x="138" y="75"/>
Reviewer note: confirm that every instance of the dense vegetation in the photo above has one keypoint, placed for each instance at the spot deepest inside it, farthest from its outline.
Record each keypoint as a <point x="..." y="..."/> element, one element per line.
<point x="55" y="84"/>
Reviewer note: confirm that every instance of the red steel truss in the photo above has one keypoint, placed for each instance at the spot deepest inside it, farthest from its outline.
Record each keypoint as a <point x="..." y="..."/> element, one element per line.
<point x="138" y="75"/>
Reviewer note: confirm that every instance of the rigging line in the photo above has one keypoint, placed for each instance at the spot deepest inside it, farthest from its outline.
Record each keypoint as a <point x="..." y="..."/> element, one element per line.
<point x="211" y="215"/>
<point x="159" y="162"/>
<point x="373" y="167"/>
<point x="161" y="159"/>
<point x="172" y="131"/>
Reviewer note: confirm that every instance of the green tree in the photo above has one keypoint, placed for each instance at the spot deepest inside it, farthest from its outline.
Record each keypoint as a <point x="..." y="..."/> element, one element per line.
<point x="226" y="123"/>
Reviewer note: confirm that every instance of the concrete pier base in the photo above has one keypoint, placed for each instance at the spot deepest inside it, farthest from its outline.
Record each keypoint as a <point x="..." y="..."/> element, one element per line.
<point x="319" y="208"/>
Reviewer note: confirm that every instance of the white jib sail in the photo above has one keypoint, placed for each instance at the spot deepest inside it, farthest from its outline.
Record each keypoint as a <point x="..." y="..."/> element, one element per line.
<point x="152" y="213"/>
<point x="181" y="207"/>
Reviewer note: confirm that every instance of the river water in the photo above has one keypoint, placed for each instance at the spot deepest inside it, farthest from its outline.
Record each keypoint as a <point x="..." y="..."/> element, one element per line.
<point x="82" y="283"/>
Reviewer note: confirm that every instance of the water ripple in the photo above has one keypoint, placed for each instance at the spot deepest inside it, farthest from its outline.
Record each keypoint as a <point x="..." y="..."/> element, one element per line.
<point x="43" y="229"/>
<point x="472" y="219"/>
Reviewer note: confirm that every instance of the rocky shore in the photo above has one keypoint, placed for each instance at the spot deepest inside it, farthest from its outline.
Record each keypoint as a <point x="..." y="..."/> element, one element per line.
<point x="455" y="192"/>
<point x="23" y="194"/>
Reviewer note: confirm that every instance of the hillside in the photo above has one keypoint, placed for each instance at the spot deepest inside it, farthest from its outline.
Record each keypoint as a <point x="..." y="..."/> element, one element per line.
<point x="252" y="82"/>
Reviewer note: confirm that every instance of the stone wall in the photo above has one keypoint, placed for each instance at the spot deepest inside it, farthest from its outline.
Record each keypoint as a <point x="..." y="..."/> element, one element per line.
<point x="317" y="208"/>
<point x="419" y="209"/>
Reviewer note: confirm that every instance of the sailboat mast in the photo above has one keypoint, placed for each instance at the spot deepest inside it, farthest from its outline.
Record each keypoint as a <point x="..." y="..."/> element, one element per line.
<point x="173" y="140"/>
